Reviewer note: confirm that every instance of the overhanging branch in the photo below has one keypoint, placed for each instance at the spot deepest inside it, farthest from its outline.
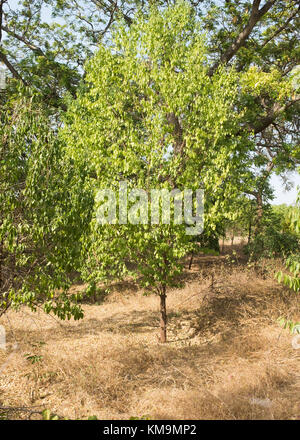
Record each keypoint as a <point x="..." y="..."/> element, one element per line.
<point x="274" y="113"/>
<point x="31" y="46"/>
<point x="11" y="68"/>
<point x="255" y="17"/>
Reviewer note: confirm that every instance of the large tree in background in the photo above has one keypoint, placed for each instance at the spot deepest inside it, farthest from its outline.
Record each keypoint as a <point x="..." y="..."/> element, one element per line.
<point x="44" y="43"/>
<point x="54" y="38"/>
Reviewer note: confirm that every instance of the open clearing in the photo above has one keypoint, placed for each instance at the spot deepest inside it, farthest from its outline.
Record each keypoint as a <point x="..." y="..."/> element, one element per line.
<point x="226" y="358"/>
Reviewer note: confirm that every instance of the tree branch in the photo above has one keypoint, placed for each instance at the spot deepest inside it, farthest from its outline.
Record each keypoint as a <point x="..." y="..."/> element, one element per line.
<point x="23" y="40"/>
<point x="1" y="17"/>
<point x="11" y="68"/>
<point x="270" y="118"/>
<point x="256" y="15"/>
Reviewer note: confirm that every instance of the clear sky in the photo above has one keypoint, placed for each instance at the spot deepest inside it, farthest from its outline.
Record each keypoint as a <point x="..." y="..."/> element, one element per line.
<point x="281" y="195"/>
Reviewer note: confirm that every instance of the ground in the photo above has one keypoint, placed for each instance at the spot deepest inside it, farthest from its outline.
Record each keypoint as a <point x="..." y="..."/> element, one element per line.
<point x="226" y="355"/>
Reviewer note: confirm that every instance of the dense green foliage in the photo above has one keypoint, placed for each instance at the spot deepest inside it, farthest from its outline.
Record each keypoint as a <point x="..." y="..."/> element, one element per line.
<point x="43" y="210"/>
<point x="293" y="261"/>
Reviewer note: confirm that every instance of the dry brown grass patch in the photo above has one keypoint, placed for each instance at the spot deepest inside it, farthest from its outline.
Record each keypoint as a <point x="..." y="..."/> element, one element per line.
<point x="227" y="358"/>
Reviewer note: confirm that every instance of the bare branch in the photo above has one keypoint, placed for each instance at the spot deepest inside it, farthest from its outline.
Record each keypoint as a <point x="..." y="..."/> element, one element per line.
<point x="23" y="40"/>
<point x="11" y="68"/>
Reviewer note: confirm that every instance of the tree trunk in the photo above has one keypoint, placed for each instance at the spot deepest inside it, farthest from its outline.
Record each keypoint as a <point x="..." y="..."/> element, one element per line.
<point x="163" y="316"/>
<point x="259" y="213"/>
<point x="250" y="232"/>
<point x="191" y="261"/>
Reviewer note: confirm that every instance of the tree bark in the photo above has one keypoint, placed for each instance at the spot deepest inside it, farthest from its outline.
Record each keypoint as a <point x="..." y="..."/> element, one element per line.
<point x="259" y="213"/>
<point x="163" y="316"/>
<point x="249" y="232"/>
<point x="191" y="261"/>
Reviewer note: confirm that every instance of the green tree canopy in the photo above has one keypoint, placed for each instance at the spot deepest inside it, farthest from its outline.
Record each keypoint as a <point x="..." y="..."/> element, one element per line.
<point x="150" y="115"/>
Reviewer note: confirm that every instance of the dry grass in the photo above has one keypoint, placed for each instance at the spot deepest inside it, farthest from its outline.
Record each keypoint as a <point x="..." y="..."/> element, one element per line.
<point x="226" y="358"/>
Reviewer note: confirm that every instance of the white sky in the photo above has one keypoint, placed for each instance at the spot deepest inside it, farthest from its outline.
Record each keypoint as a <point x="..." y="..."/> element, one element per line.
<point x="281" y="195"/>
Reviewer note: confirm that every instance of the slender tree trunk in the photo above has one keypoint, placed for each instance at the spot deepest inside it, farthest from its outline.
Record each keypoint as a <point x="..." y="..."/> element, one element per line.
<point x="259" y="213"/>
<point x="1" y="260"/>
<point x="191" y="261"/>
<point x="249" y="232"/>
<point x="163" y="316"/>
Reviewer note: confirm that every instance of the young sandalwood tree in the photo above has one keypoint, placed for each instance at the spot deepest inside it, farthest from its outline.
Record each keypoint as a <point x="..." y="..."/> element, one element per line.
<point x="150" y="117"/>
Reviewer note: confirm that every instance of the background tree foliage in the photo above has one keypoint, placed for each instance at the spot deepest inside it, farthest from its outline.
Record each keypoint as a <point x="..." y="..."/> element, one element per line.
<point x="292" y="263"/>
<point x="43" y="209"/>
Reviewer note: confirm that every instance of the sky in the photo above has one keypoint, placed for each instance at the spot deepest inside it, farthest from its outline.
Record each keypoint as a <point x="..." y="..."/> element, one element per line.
<point x="281" y="195"/>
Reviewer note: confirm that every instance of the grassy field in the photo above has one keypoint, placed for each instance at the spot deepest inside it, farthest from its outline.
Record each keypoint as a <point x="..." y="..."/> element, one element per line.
<point x="226" y="358"/>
